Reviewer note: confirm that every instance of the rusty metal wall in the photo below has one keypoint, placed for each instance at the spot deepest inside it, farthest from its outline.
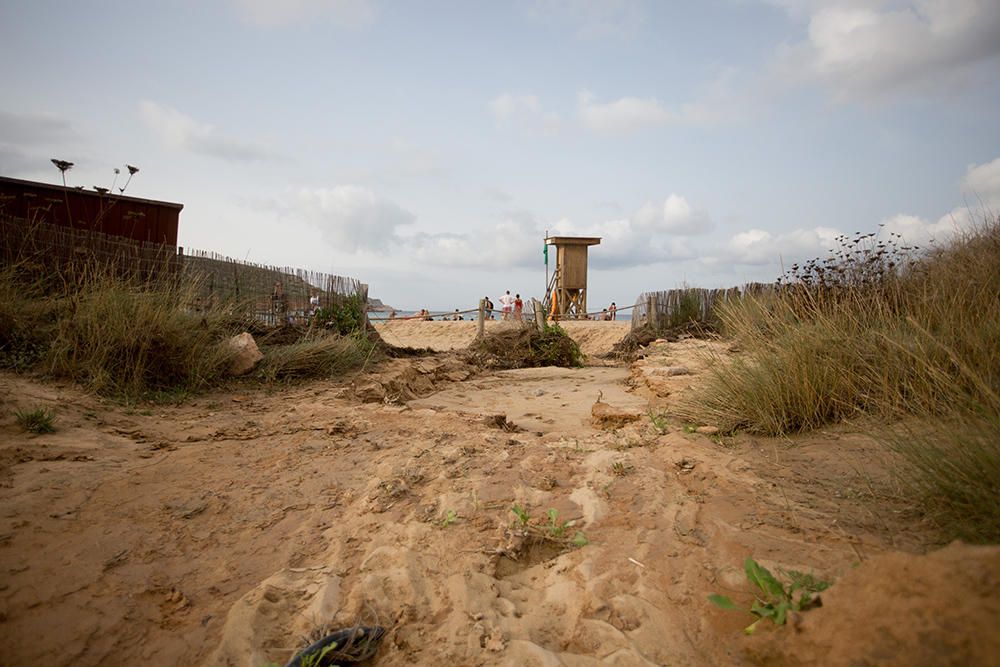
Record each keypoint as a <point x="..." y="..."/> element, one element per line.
<point x="144" y="220"/>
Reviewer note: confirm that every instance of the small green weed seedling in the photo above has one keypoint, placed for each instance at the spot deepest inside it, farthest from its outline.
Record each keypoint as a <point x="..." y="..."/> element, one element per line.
<point x="39" y="420"/>
<point x="659" y="421"/>
<point x="449" y="518"/>
<point x="774" y="599"/>
<point x="621" y="468"/>
<point x="553" y="531"/>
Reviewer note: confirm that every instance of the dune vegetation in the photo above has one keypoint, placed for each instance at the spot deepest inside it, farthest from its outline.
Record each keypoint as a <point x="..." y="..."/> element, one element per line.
<point x="131" y="338"/>
<point x="905" y="335"/>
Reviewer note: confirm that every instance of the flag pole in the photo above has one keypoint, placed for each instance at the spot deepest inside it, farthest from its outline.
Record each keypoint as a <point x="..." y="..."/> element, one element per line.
<point x="545" y="251"/>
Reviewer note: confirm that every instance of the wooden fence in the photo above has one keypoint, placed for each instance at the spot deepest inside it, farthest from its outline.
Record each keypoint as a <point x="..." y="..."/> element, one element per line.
<point x="272" y="294"/>
<point x="677" y="306"/>
<point x="275" y="294"/>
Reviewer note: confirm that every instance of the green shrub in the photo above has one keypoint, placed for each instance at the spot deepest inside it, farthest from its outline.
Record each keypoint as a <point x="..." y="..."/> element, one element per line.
<point x="345" y="317"/>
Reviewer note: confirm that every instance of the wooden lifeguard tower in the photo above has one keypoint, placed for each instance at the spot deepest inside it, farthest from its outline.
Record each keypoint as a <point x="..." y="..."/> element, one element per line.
<point x="566" y="294"/>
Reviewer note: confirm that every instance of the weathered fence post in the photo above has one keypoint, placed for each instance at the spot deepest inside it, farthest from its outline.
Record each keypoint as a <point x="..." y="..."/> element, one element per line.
<point x="652" y="317"/>
<point x="539" y="313"/>
<point x="481" y="319"/>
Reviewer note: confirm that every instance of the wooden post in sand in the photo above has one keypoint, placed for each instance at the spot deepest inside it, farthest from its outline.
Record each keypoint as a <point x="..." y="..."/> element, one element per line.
<point x="539" y="314"/>
<point x="652" y="317"/>
<point x="481" y="326"/>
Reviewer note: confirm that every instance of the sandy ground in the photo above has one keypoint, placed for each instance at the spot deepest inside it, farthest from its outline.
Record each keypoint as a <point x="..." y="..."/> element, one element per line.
<point x="222" y="531"/>
<point x="594" y="337"/>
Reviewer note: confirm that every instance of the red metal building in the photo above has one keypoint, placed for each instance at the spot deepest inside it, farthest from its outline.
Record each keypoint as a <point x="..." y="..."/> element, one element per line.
<point x="116" y="215"/>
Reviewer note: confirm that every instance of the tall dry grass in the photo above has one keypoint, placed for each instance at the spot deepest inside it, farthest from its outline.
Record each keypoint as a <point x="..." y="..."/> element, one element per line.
<point x="889" y="331"/>
<point x="133" y="337"/>
<point x="115" y="335"/>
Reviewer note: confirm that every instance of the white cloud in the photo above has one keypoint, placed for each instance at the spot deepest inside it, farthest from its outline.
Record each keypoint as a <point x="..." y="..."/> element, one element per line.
<point x="918" y="231"/>
<point x="674" y="216"/>
<point x="623" y="115"/>
<point x="280" y="13"/>
<point x="182" y="132"/>
<point x="983" y="182"/>
<point x="716" y="101"/>
<point x="525" y="110"/>
<point x="351" y="218"/>
<point x="653" y="235"/>
<point x="758" y="247"/>
<point x="869" y="50"/>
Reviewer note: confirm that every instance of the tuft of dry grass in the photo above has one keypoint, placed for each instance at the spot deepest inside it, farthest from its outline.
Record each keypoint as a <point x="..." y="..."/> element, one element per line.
<point x="325" y="356"/>
<point x="885" y="330"/>
<point x="127" y="338"/>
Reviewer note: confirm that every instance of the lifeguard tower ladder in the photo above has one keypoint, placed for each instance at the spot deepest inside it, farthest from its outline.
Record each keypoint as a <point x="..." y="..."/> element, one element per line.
<point x="566" y="293"/>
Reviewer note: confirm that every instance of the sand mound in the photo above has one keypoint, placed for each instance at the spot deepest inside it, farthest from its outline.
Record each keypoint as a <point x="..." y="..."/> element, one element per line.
<point x="886" y="612"/>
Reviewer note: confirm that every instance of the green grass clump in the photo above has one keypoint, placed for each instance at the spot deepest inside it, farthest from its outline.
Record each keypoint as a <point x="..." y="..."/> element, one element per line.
<point x="883" y="330"/>
<point x="39" y="420"/>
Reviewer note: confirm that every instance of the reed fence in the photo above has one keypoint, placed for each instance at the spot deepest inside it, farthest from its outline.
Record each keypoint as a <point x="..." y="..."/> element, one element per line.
<point x="272" y="294"/>
<point x="687" y="304"/>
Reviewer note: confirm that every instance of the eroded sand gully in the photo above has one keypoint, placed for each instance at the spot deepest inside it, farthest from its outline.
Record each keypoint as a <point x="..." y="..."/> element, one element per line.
<point x="222" y="531"/>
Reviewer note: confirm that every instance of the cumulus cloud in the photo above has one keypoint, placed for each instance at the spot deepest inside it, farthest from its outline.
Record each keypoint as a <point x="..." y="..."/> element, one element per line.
<point x="654" y="234"/>
<point x="525" y="110"/>
<point x="864" y="50"/>
<point x="622" y="115"/>
<point x="719" y="100"/>
<point x="758" y="247"/>
<point x="674" y="216"/>
<point x="351" y="218"/>
<point x="514" y="241"/>
<point x="182" y="132"/>
<point x="281" y="13"/>
<point x="983" y="182"/>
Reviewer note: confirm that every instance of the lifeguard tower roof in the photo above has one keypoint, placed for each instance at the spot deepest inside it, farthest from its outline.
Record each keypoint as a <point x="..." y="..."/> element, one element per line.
<point x="573" y="240"/>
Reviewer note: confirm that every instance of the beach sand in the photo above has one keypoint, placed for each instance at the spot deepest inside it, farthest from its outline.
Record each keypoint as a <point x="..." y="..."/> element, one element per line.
<point x="594" y="337"/>
<point x="224" y="530"/>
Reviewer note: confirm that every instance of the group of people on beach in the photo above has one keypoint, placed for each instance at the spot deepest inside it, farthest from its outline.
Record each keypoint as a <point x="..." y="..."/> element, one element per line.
<point x="510" y="307"/>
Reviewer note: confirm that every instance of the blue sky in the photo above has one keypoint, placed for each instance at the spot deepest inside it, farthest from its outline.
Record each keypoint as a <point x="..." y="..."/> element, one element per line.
<point x="426" y="147"/>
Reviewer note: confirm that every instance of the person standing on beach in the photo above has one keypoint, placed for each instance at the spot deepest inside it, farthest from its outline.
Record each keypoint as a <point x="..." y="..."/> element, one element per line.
<point x="489" y="308"/>
<point x="518" y="308"/>
<point x="507" y="303"/>
<point x="613" y="310"/>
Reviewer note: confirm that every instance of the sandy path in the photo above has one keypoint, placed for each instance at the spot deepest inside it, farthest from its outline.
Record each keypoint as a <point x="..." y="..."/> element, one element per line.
<point x="221" y="531"/>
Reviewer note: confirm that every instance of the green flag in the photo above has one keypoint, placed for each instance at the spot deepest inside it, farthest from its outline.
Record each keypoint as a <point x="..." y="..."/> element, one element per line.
<point x="545" y="251"/>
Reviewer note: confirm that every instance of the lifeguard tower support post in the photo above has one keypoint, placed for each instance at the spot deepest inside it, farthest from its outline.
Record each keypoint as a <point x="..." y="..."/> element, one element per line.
<point x="566" y="294"/>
